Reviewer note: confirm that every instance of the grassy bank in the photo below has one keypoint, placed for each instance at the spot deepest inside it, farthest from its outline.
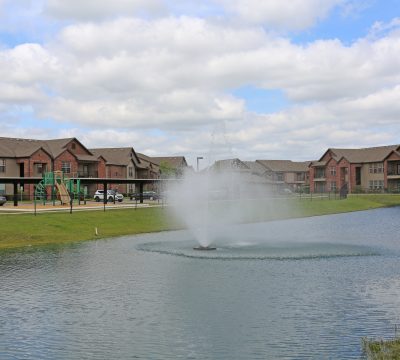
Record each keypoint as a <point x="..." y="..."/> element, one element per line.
<point x="52" y="228"/>
<point x="62" y="227"/>
<point x="382" y="350"/>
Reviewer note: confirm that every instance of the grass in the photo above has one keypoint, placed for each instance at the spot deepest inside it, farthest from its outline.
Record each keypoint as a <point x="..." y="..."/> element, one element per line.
<point x="352" y="203"/>
<point x="382" y="350"/>
<point x="57" y="228"/>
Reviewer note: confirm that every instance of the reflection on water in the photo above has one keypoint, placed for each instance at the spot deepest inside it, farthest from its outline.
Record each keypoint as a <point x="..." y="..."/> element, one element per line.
<point x="305" y="288"/>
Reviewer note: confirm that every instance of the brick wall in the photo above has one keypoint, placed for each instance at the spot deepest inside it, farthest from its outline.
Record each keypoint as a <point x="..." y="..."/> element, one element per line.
<point x="68" y="157"/>
<point x="41" y="157"/>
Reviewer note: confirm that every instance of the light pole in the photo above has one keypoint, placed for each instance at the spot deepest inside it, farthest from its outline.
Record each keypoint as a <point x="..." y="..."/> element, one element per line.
<point x="198" y="158"/>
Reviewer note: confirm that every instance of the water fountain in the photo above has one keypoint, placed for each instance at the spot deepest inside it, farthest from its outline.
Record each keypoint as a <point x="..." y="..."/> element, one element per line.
<point x="211" y="202"/>
<point x="218" y="204"/>
<point x="225" y="208"/>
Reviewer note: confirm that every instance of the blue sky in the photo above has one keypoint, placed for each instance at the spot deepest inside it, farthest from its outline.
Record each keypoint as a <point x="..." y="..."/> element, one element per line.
<point x="285" y="79"/>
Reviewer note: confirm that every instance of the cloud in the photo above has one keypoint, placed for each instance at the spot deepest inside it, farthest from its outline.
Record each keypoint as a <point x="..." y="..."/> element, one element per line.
<point x="284" y="15"/>
<point x="117" y="81"/>
<point x="100" y="9"/>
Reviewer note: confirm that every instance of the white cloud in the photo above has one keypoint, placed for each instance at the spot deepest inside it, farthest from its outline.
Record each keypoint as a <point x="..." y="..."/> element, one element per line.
<point x="100" y="9"/>
<point x="286" y="15"/>
<point x="123" y="78"/>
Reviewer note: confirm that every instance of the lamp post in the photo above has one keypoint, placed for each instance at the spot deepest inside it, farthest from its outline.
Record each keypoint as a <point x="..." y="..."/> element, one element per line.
<point x="198" y="158"/>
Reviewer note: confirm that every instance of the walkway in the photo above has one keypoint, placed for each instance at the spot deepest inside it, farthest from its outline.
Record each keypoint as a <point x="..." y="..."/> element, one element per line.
<point x="26" y="208"/>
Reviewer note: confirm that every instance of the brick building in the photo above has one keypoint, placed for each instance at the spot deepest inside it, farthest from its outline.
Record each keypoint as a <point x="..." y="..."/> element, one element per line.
<point x="374" y="169"/>
<point x="286" y="173"/>
<point x="122" y="163"/>
<point x="31" y="158"/>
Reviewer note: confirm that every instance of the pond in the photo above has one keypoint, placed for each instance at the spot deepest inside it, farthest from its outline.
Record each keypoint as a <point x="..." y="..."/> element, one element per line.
<point x="294" y="289"/>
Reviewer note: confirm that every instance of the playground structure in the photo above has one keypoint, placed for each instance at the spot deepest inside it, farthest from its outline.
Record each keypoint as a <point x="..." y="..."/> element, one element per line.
<point x="55" y="183"/>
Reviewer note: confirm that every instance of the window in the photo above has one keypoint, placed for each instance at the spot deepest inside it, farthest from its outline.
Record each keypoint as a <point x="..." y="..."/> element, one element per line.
<point x="319" y="173"/>
<point x="130" y="171"/>
<point x="2" y="165"/>
<point x="333" y="185"/>
<point x="2" y="189"/>
<point x="279" y="177"/>
<point x="375" y="184"/>
<point x="333" y="170"/>
<point x="300" y="176"/>
<point x="40" y="168"/>
<point x="73" y="146"/>
<point x="376" y="168"/>
<point x="66" y="167"/>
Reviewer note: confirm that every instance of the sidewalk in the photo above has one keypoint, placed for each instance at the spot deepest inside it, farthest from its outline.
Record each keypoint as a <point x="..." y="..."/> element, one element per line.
<point x="25" y="208"/>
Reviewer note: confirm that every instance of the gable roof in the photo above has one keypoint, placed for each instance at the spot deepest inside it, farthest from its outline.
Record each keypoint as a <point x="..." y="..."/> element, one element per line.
<point x="147" y="160"/>
<point x="230" y="164"/>
<point x="16" y="147"/>
<point x="173" y="161"/>
<point x="363" y="155"/>
<point x="393" y="152"/>
<point x="117" y="156"/>
<point x="285" y="165"/>
<point x="256" y="167"/>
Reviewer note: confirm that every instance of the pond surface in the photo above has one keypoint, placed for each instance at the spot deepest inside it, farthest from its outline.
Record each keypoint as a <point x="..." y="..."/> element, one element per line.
<point x="293" y="289"/>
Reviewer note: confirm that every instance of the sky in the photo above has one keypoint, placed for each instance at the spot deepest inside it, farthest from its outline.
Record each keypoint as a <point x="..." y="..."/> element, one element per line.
<point x="253" y="79"/>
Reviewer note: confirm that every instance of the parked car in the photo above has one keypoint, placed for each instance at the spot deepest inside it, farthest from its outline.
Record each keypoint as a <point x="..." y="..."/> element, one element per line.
<point x="147" y="195"/>
<point x="3" y="200"/>
<point x="99" y="195"/>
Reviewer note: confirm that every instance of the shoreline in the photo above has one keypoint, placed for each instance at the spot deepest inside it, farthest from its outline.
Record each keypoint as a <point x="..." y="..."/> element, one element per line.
<point x="19" y="231"/>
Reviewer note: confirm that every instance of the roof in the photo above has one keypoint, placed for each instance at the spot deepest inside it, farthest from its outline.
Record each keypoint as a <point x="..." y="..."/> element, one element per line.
<point x="117" y="156"/>
<point x="285" y="165"/>
<point x="319" y="163"/>
<point x="12" y="147"/>
<point x="364" y="155"/>
<point x="173" y="161"/>
<point x="147" y="159"/>
<point x="230" y="164"/>
<point x="255" y="167"/>
<point x="57" y="146"/>
<point x="15" y="147"/>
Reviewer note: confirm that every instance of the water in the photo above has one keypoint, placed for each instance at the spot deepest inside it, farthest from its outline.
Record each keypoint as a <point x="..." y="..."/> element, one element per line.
<point x="295" y="289"/>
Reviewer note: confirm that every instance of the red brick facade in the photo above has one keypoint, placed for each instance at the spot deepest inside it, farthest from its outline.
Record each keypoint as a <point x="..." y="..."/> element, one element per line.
<point x="374" y="169"/>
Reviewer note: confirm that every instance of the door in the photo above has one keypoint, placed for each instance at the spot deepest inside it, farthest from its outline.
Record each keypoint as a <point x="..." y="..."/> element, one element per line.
<point x="358" y="176"/>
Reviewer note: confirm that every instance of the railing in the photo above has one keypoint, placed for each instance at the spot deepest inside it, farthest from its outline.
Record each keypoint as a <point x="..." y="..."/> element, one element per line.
<point x="393" y="171"/>
<point x="88" y="174"/>
<point x="319" y="175"/>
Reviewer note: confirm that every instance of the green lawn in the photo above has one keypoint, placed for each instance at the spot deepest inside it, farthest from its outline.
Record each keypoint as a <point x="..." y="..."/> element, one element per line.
<point x="62" y="227"/>
<point x="52" y="228"/>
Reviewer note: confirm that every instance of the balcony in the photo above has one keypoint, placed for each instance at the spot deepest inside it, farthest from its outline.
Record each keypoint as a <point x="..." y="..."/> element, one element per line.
<point x="88" y="174"/>
<point x="319" y="175"/>
<point x="393" y="171"/>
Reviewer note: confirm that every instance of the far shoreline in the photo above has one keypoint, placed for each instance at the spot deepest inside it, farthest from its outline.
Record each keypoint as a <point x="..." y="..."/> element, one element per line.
<point x="19" y="231"/>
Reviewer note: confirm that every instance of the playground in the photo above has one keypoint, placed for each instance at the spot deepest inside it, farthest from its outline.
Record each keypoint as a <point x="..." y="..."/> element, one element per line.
<point x="56" y="192"/>
<point x="56" y="186"/>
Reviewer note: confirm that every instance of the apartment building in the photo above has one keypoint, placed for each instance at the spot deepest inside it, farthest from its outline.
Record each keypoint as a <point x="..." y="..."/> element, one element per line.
<point x="173" y="165"/>
<point x="121" y="163"/>
<point x="31" y="158"/>
<point x="374" y="169"/>
<point x="286" y="173"/>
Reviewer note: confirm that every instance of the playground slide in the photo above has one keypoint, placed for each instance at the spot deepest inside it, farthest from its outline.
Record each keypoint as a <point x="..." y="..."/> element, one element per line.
<point x="64" y="195"/>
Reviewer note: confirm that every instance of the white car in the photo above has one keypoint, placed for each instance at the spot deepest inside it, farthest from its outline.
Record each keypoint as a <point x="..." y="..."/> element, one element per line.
<point x="99" y="195"/>
<point x="3" y="200"/>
